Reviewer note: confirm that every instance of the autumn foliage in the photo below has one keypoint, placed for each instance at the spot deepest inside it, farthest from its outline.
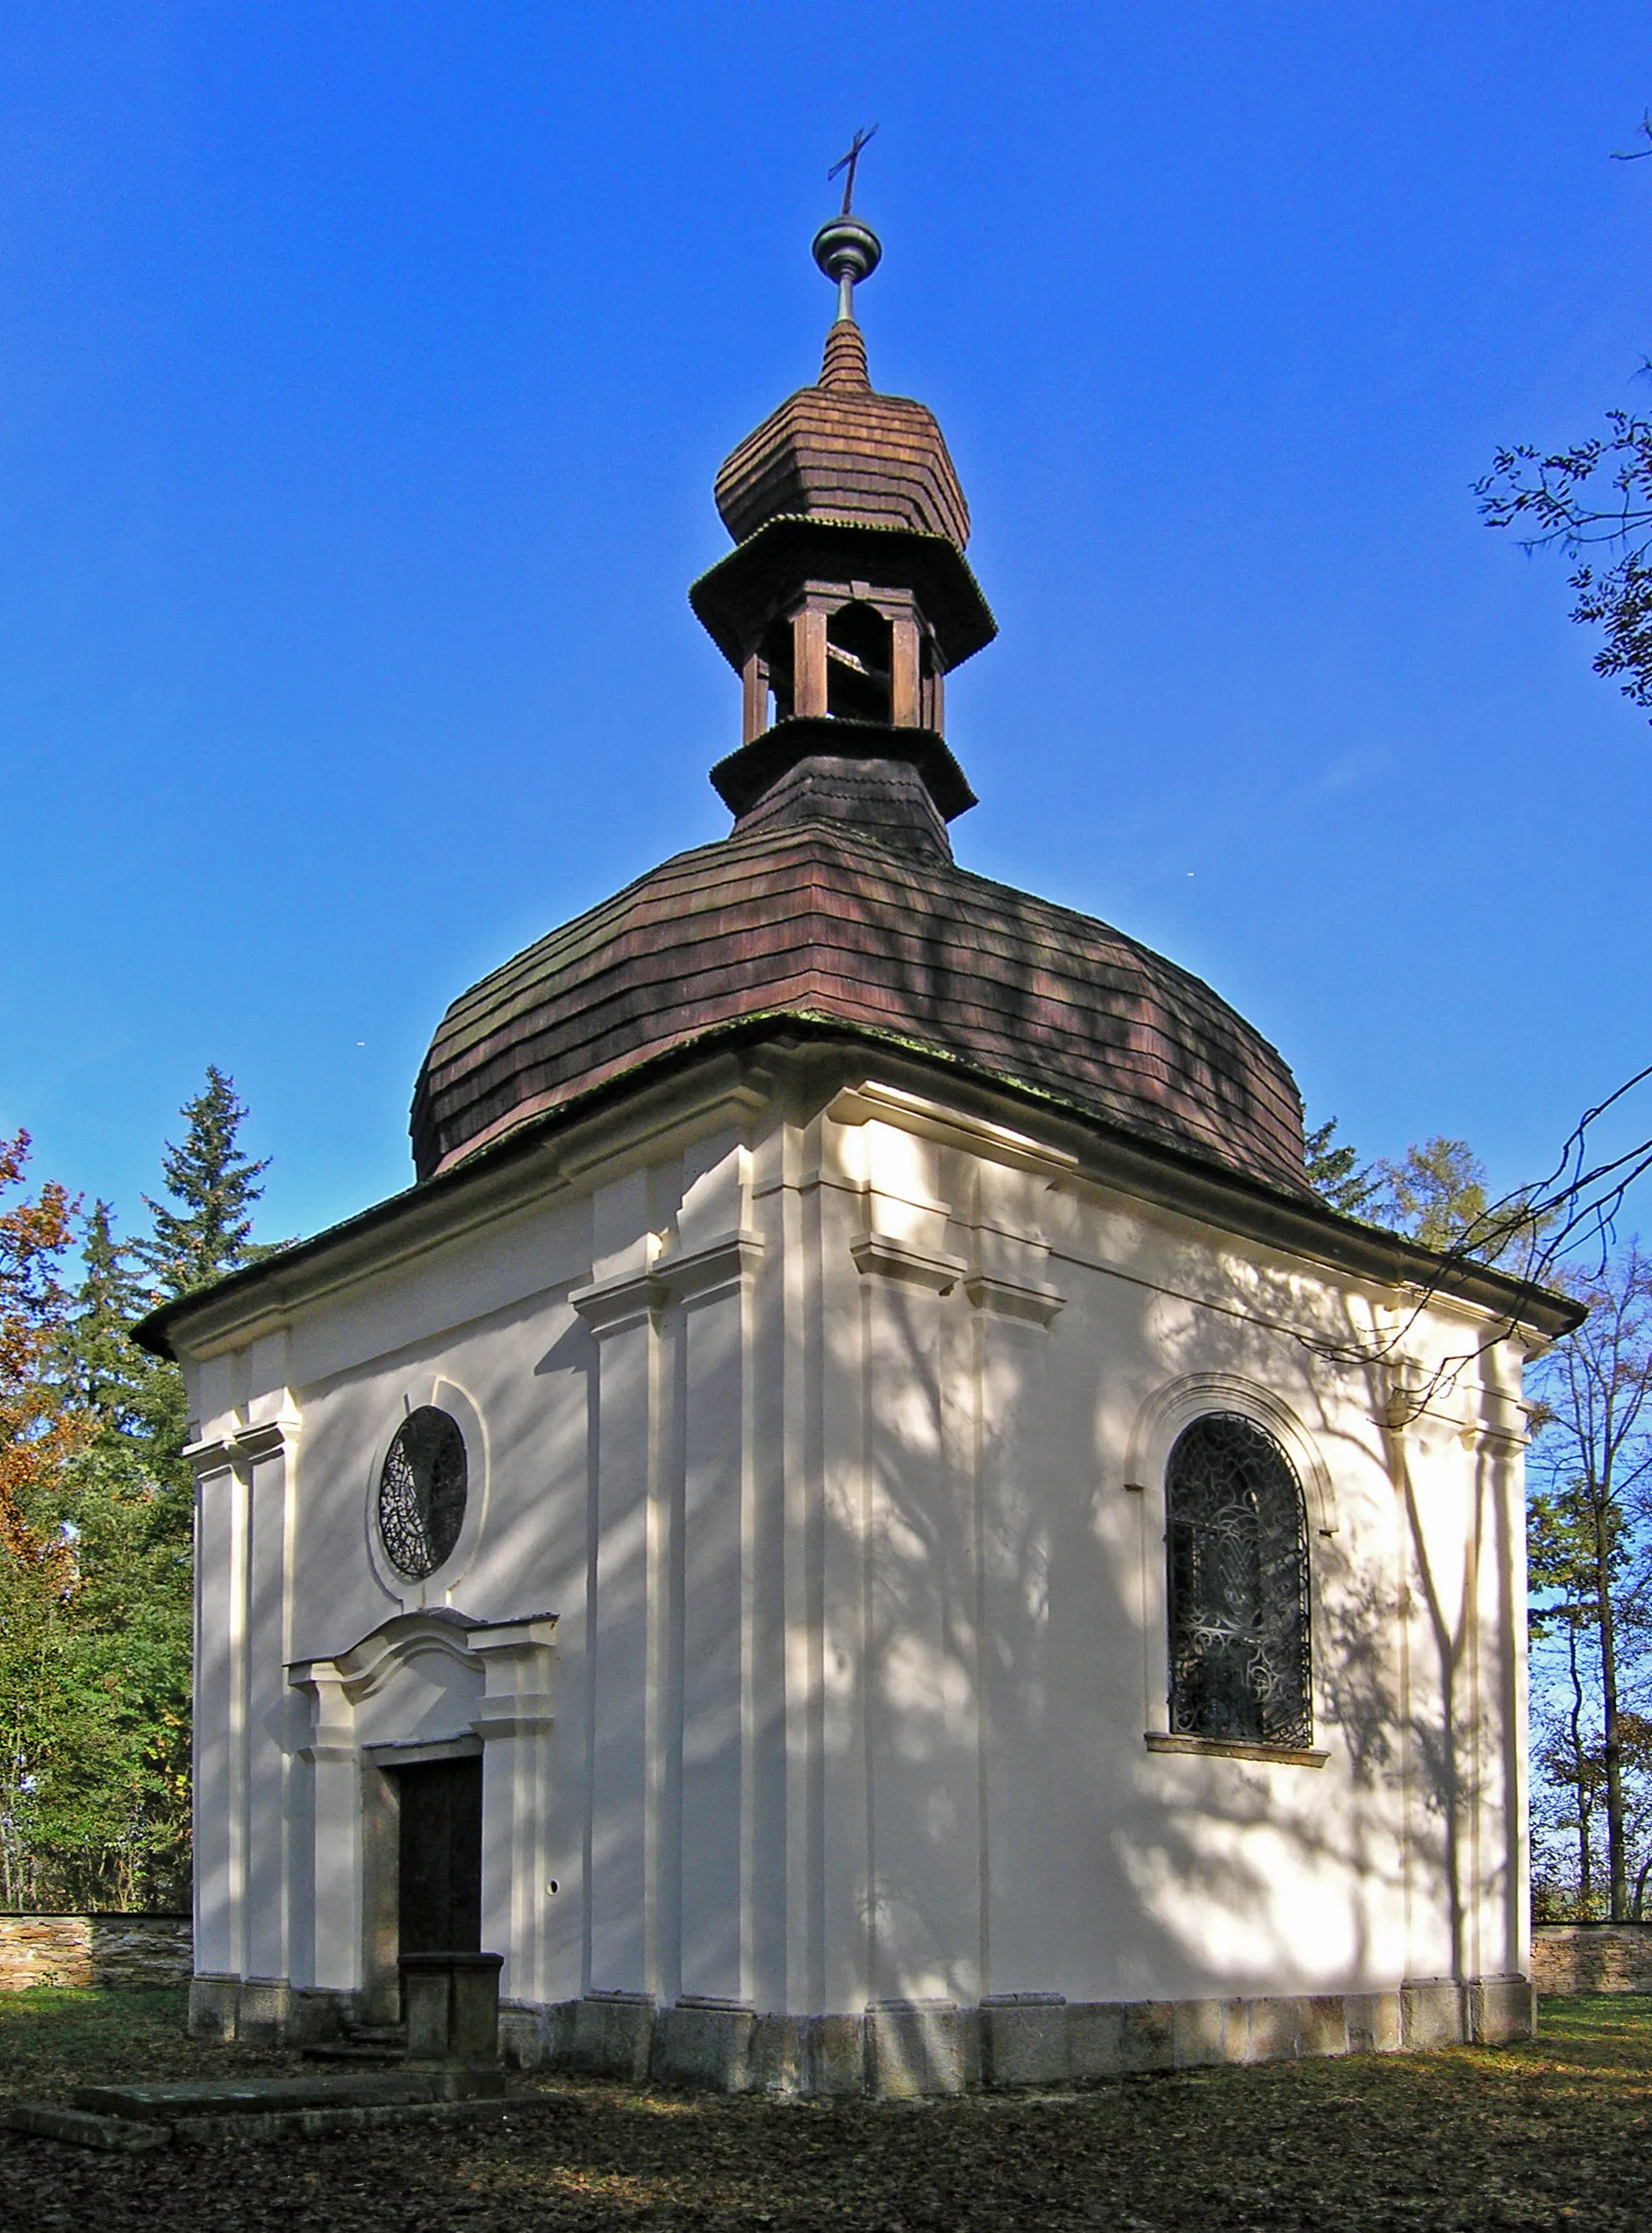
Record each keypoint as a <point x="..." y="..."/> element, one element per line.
<point x="38" y="1432"/>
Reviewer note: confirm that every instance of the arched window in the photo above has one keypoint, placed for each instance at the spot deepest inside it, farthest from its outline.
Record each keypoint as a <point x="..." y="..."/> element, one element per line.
<point x="1238" y="1554"/>
<point x="858" y="663"/>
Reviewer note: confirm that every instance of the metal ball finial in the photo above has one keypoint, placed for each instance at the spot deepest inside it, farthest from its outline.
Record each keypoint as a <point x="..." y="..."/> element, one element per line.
<point x="847" y="250"/>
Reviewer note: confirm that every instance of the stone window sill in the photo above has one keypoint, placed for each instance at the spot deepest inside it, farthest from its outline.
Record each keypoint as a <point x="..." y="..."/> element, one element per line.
<point x="1287" y="1755"/>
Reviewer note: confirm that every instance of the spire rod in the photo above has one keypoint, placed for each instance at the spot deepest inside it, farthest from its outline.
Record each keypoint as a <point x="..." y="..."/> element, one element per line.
<point x="846" y="248"/>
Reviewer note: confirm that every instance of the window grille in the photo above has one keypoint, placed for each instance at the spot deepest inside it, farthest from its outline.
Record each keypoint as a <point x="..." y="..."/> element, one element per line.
<point x="422" y="1492"/>
<point x="1240" y="1665"/>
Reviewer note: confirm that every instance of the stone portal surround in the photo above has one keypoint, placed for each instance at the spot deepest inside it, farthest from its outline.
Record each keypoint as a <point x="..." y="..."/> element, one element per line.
<point x="113" y="1950"/>
<point x="899" y="2049"/>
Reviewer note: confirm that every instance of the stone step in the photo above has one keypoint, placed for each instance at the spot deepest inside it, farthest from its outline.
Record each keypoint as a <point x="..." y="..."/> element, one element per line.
<point x="357" y="2050"/>
<point x="46" y="2121"/>
<point x="362" y="2044"/>
<point x="178" y="2099"/>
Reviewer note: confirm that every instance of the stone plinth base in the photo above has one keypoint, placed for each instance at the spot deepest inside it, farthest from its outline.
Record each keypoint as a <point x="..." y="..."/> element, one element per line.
<point x="450" y="2004"/>
<point x="899" y="2049"/>
<point x="267" y="2012"/>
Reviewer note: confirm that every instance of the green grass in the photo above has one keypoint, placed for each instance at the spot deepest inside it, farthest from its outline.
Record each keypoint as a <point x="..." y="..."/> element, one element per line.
<point x="55" y="2037"/>
<point x="1609" y="2024"/>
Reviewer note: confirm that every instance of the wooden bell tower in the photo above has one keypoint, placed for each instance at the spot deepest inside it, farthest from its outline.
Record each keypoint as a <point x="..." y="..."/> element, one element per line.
<point x="847" y="599"/>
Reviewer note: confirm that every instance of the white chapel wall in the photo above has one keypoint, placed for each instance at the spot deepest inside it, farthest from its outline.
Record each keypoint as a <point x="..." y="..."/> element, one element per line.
<point x="853" y="1434"/>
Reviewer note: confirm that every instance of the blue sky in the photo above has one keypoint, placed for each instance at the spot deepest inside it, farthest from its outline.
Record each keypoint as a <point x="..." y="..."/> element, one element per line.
<point x="364" y="370"/>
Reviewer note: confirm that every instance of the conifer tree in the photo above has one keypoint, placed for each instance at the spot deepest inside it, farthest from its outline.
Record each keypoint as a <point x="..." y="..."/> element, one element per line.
<point x="206" y="1228"/>
<point x="126" y="1816"/>
<point x="102" y="1371"/>
<point x="95" y="1629"/>
<point x="1335" y="1172"/>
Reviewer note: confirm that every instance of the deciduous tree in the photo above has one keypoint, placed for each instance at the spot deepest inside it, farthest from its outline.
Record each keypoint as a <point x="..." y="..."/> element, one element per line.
<point x="1591" y="1550"/>
<point x="1593" y="498"/>
<point x="40" y="1434"/>
<point x="38" y="1430"/>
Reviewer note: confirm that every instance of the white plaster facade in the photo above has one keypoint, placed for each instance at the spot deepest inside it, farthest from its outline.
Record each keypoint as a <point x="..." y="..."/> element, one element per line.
<point x="809" y="1612"/>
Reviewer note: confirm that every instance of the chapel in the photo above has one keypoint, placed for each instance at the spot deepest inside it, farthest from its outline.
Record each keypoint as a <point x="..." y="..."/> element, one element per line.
<point x="860" y="1525"/>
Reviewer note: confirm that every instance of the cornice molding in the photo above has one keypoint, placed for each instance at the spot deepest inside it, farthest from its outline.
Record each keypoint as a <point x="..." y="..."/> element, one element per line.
<point x="715" y="1081"/>
<point x="534" y="1631"/>
<point x="701" y="1274"/>
<point x="1029" y="1300"/>
<point x="873" y="1100"/>
<point x="539" y="1156"/>
<point x="882" y="1255"/>
<point x="505" y="1717"/>
<point x="618" y="1306"/>
<point x="245" y="1445"/>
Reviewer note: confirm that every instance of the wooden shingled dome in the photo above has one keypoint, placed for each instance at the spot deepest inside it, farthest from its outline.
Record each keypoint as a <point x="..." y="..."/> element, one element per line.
<point x="835" y="907"/>
<point x="841" y="450"/>
<point x="820" y="921"/>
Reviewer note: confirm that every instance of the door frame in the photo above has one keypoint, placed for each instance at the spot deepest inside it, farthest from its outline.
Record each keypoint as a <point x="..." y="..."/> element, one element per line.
<point x="382" y="1860"/>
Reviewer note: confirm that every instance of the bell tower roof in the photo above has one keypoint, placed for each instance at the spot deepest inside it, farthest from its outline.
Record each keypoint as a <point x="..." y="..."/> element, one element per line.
<point x="838" y="450"/>
<point x="847" y="599"/>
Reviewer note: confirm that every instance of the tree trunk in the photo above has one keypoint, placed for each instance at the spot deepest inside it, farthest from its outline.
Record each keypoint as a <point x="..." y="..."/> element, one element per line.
<point x="1617" y="1848"/>
<point x="1585" y="1851"/>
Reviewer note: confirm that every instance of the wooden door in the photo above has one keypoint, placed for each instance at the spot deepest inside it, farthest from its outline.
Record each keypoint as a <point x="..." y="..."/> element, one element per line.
<point x="440" y="1858"/>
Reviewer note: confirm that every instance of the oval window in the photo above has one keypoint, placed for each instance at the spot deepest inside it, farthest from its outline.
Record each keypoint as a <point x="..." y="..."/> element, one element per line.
<point x="422" y="1492"/>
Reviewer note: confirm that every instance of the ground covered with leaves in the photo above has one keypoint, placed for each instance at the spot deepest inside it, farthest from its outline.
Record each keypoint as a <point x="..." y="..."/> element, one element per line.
<point x="1551" y="2133"/>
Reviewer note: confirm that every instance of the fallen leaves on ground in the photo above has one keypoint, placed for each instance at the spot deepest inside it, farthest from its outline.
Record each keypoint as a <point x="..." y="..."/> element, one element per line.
<point x="1552" y="2133"/>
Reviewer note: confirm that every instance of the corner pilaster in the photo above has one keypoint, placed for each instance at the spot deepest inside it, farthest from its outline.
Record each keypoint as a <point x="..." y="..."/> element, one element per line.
<point x="245" y="1737"/>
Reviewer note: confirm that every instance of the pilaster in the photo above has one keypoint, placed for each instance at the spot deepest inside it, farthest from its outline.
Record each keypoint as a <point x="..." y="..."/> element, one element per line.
<point x="333" y="1758"/>
<point x="918" y="1581"/>
<point x="243" y="1739"/>
<point x="1014" y="1304"/>
<point x="515" y="1722"/>
<point x="621" y="1312"/>
<point x="712" y="1285"/>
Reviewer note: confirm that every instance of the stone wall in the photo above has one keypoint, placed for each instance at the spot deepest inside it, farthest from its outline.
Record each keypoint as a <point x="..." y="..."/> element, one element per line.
<point x="1591" y="1957"/>
<point x="93" y="1950"/>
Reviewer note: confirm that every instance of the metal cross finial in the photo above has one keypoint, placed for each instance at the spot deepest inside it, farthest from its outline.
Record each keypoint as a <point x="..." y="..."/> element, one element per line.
<point x="848" y="162"/>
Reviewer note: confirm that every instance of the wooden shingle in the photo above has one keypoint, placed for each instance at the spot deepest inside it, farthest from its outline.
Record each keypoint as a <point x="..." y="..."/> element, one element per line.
<point x="821" y="920"/>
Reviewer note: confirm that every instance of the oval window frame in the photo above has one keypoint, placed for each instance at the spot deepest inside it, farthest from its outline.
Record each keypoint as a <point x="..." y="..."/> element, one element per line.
<point x="437" y="1587"/>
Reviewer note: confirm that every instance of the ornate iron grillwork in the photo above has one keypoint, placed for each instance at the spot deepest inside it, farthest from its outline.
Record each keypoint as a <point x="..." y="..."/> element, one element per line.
<point x="1241" y="1664"/>
<point x="422" y="1492"/>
